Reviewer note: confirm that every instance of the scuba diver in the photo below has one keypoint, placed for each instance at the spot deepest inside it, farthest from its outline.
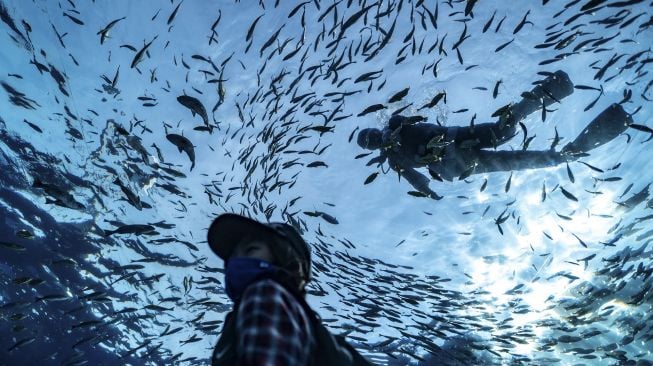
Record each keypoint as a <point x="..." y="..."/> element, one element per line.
<point x="458" y="151"/>
<point x="267" y="267"/>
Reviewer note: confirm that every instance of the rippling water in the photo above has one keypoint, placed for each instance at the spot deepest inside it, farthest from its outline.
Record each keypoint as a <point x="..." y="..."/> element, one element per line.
<point x="540" y="266"/>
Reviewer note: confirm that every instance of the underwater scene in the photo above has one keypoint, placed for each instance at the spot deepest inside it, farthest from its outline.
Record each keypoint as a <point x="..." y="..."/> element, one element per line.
<point x="472" y="177"/>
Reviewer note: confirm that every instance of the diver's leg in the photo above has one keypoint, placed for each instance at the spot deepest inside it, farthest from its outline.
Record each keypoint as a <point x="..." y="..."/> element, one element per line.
<point x="554" y="88"/>
<point x="490" y="135"/>
<point x="609" y="124"/>
<point x="495" y="161"/>
<point x="484" y="135"/>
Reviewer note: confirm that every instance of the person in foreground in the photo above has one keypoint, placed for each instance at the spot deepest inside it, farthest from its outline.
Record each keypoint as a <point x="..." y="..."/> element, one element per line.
<point x="450" y="152"/>
<point x="267" y="268"/>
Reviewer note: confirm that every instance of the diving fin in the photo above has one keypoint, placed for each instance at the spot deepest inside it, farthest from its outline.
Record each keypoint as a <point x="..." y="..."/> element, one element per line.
<point x="604" y="128"/>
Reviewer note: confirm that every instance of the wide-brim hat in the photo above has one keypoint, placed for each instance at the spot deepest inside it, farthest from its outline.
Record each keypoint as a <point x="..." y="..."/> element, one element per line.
<point x="227" y="230"/>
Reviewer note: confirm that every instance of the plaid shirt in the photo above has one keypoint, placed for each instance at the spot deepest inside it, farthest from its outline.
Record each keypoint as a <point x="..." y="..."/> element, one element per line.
<point x="273" y="328"/>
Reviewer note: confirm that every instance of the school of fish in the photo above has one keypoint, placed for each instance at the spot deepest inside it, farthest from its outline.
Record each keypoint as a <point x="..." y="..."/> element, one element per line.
<point x="115" y="145"/>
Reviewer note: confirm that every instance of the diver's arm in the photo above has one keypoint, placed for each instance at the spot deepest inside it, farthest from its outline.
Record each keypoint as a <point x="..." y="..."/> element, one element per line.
<point x="397" y="121"/>
<point x="420" y="183"/>
<point x="417" y="180"/>
<point x="393" y="129"/>
<point x="379" y="160"/>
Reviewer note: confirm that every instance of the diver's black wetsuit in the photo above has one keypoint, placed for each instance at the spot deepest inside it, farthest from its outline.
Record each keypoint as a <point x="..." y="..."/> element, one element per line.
<point x="451" y="152"/>
<point x="460" y="150"/>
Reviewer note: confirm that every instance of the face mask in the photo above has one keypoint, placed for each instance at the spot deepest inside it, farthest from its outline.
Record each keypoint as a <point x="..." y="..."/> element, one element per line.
<point x="242" y="272"/>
